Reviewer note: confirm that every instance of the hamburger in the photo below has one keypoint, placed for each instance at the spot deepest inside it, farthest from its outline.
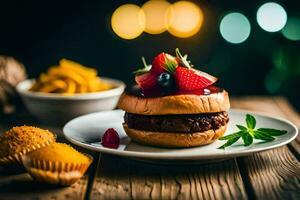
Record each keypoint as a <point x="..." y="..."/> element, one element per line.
<point x="174" y="105"/>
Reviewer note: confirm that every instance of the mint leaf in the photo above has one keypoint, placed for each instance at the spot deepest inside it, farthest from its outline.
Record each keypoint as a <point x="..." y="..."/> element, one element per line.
<point x="251" y="121"/>
<point x="231" y="136"/>
<point x="242" y="128"/>
<point x="247" y="138"/>
<point x="272" y="132"/>
<point x="229" y="142"/>
<point x="249" y="132"/>
<point x="263" y="136"/>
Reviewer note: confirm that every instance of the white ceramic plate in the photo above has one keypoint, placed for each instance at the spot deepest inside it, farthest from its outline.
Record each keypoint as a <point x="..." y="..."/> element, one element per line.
<point x="86" y="131"/>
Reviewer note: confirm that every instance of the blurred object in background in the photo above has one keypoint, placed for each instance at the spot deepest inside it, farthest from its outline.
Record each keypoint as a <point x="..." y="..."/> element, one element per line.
<point x="237" y="41"/>
<point x="157" y="14"/>
<point x="128" y="21"/>
<point x="284" y="77"/>
<point x="11" y="73"/>
<point x="271" y="17"/>
<point x="185" y="20"/>
<point x="235" y="28"/>
<point x="292" y="29"/>
<point x="182" y="19"/>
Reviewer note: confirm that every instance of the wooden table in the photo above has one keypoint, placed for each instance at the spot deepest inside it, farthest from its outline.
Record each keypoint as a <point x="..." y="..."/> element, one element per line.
<point x="273" y="174"/>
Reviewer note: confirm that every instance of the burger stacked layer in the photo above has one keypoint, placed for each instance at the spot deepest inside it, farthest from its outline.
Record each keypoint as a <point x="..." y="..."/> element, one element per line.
<point x="184" y="123"/>
<point x="174" y="105"/>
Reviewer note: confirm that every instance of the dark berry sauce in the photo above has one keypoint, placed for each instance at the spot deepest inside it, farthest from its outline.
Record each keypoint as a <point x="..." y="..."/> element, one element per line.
<point x="137" y="91"/>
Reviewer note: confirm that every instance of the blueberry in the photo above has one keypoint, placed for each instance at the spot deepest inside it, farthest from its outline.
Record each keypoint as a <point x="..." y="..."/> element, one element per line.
<point x="163" y="79"/>
<point x="166" y="81"/>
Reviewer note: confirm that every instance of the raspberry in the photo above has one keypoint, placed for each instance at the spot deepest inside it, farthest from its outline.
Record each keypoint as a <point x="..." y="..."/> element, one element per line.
<point x="110" y="139"/>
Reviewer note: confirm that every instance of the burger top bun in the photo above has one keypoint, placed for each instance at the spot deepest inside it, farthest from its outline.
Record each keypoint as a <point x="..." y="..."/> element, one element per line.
<point x="175" y="104"/>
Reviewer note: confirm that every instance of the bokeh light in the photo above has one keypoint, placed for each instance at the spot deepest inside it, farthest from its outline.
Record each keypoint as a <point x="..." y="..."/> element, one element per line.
<point x="271" y="17"/>
<point x="186" y="19"/>
<point x="156" y="13"/>
<point x="235" y="28"/>
<point x="292" y="29"/>
<point x="274" y="80"/>
<point x="128" y="21"/>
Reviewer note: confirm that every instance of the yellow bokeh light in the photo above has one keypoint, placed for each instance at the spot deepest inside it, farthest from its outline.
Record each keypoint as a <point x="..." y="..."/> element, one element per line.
<point x="156" y="13"/>
<point x="186" y="19"/>
<point x="128" y="21"/>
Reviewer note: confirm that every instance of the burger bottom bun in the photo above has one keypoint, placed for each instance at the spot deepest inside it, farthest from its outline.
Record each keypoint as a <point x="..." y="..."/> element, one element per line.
<point x="168" y="139"/>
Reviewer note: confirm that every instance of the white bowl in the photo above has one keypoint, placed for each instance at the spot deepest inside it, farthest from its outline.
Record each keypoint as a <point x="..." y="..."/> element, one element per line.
<point x="56" y="109"/>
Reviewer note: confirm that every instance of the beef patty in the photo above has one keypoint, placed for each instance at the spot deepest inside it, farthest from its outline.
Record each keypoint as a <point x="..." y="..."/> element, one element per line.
<point x="177" y="123"/>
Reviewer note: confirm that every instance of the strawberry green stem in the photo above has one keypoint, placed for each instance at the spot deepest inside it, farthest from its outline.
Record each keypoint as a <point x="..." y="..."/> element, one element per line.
<point x="171" y="66"/>
<point x="178" y="54"/>
<point x="143" y="70"/>
<point x="183" y="59"/>
<point x="144" y="62"/>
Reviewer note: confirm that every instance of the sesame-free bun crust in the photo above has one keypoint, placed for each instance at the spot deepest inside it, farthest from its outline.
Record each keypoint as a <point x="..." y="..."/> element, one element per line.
<point x="175" y="104"/>
<point x="166" y="139"/>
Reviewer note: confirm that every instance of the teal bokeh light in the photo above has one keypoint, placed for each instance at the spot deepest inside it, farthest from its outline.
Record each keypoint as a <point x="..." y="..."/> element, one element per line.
<point x="292" y="29"/>
<point x="235" y="28"/>
<point x="271" y="17"/>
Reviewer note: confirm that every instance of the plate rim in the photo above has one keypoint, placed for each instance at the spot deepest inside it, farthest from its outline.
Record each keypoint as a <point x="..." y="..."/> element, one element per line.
<point x="150" y="155"/>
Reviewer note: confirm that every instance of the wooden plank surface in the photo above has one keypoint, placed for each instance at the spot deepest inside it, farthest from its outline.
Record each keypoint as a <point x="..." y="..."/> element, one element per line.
<point x="273" y="174"/>
<point x="21" y="186"/>
<point x="290" y="113"/>
<point x="122" y="178"/>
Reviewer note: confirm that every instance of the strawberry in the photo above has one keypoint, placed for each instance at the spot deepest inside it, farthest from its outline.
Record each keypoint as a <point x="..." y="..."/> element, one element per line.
<point x="110" y="139"/>
<point x="144" y="78"/>
<point x="146" y="81"/>
<point x="188" y="79"/>
<point x="163" y="62"/>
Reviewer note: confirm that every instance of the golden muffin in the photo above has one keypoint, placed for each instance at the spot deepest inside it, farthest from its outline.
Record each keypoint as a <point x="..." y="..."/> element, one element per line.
<point x="20" y="140"/>
<point x="57" y="163"/>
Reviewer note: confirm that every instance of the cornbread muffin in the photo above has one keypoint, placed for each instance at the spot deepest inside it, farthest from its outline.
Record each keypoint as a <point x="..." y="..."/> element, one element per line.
<point x="57" y="163"/>
<point x="20" y="140"/>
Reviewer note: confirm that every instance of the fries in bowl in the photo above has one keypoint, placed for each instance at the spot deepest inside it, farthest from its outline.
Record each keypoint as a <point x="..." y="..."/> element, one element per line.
<point x="70" y="78"/>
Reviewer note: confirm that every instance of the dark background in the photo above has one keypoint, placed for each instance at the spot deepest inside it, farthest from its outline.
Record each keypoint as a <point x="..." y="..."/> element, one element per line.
<point x="39" y="33"/>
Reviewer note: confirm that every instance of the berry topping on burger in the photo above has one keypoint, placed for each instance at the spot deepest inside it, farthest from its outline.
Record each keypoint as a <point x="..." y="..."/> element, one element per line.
<point x="170" y="74"/>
